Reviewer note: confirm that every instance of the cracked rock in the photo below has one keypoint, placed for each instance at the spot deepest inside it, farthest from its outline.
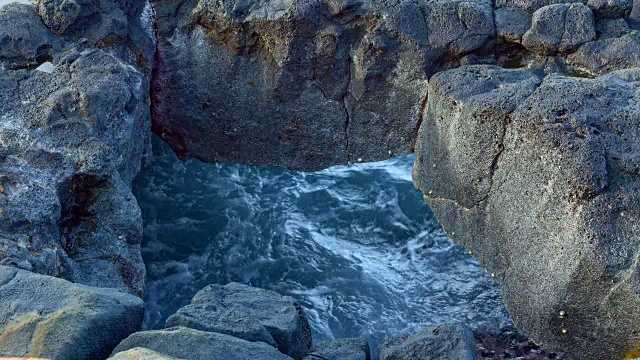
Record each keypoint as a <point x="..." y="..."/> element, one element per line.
<point x="304" y="84"/>
<point x="557" y="222"/>
<point x="559" y="28"/>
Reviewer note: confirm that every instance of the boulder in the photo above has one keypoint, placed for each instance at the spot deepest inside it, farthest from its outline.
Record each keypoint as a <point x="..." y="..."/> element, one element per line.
<point x="72" y="142"/>
<point x="186" y="343"/>
<point x="215" y="318"/>
<point x="543" y="187"/>
<point x="24" y="41"/>
<point x="140" y="353"/>
<point x="611" y="9"/>
<point x="304" y="84"/>
<point x="559" y="28"/>
<point x="282" y="317"/>
<point x="58" y="15"/>
<point x="443" y="342"/>
<point x="608" y="54"/>
<point x="340" y="349"/>
<point x="512" y="23"/>
<point x="47" y="317"/>
<point x="74" y="128"/>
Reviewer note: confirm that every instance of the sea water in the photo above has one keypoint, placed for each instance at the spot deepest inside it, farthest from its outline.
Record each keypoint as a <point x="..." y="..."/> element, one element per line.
<point x="356" y="245"/>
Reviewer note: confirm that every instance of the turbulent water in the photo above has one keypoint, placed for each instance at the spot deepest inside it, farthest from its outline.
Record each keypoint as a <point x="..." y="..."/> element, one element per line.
<point x="356" y="245"/>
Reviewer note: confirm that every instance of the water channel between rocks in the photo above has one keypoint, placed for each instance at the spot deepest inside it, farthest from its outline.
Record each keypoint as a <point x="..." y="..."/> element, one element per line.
<point x="356" y="245"/>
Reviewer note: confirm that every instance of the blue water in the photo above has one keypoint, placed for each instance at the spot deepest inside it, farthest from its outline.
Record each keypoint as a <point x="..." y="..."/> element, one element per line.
<point x="356" y="245"/>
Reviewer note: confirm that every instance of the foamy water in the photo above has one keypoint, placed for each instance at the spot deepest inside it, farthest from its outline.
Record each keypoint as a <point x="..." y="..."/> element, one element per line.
<point x="356" y="245"/>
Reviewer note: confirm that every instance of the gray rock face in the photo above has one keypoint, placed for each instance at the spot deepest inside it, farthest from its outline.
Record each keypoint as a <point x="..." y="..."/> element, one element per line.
<point x="512" y="23"/>
<point x="609" y="54"/>
<point x="72" y="141"/>
<point x="58" y="14"/>
<point x="444" y="342"/>
<point x="51" y="318"/>
<point x="24" y="41"/>
<point x="559" y="28"/>
<point x="543" y="187"/>
<point x="304" y="84"/>
<point x="340" y="349"/>
<point x="186" y="343"/>
<point x="215" y="318"/>
<point x="140" y="353"/>
<point x="280" y="315"/>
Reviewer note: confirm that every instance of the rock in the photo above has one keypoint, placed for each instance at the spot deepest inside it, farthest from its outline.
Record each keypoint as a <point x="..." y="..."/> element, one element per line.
<point x="340" y="349"/>
<point x="559" y="28"/>
<point x="543" y="188"/>
<point x="609" y="54"/>
<point x="280" y="315"/>
<point x="74" y="128"/>
<point x="304" y="84"/>
<point x="24" y="41"/>
<point x="193" y="344"/>
<point x="443" y="342"/>
<point x="612" y="28"/>
<point x="214" y="318"/>
<point x="512" y="23"/>
<point x="140" y="353"/>
<point x="611" y="9"/>
<point x="58" y="14"/>
<point x="72" y="142"/>
<point x="51" y="318"/>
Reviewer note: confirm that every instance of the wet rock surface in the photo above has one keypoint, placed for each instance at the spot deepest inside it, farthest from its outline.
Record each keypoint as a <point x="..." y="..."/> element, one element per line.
<point x="47" y="317"/>
<point x="549" y="196"/>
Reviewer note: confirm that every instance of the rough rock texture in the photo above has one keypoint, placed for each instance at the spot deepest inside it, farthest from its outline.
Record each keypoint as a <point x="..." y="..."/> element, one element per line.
<point x="610" y="54"/>
<point x="72" y="141"/>
<point x="140" y="353"/>
<point x="340" y="349"/>
<point x="280" y="315"/>
<point x="443" y="342"/>
<point x="304" y="84"/>
<point x="186" y="343"/>
<point x="543" y="187"/>
<point x="51" y="318"/>
<point x="216" y="318"/>
<point x="559" y="28"/>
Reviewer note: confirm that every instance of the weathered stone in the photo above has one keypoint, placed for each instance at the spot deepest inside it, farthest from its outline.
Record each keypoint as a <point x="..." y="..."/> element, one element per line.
<point x="549" y="204"/>
<point x="24" y="41"/>
<point x="304" y="84"/>
<point x="58" y="14"/>
<point x="512" y="23"/>
<point x="340" y="349"/>
<point x="603" y="56"/>
<point x="443" y="342"/>
<point x="214" y="318"/>
<point x="280" y="315"/>
<point x="140" y="353"/>
<point x="186" y="343"/>
<point x="611" y="9"/>
<point x="611" y="28"/>
<point x="559" y="28"/>
<point x="47" y="317"/>
<point x="72" y="142"/>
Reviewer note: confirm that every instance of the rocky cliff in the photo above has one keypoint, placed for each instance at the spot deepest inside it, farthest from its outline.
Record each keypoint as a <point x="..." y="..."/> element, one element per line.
<point x="523" y="117"/>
